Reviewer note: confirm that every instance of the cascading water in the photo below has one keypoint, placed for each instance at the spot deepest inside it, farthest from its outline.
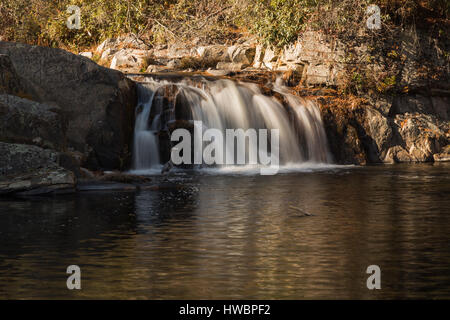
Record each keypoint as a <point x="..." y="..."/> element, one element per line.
<point x="145" y="150"/>
<point x="225" y="104"/>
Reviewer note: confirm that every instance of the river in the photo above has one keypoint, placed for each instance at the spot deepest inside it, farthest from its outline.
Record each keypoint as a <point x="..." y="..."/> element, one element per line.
<point x="237" y="235"/>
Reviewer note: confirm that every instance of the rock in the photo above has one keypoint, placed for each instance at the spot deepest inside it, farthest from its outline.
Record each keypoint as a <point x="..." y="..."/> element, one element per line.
<point x="437" y="106"/>
<point x="30" y="170"/>
<point x="127" y="41"/>
<point x="397" y="154"/>
<point x="97" y="103"/>
<point x="214" y="52"/>
<point x="29" y="122"/>
<point x="259" y="56"/>
<point x="178" y="51"/>
<point x="130" y="60"/>
<point x="361" y="133"/>
<point x="130" y="41"/>
<point x="107" y="54"/>
<point x="293" y="77"/>
<point x="105" y="45"/>
<point x="422" y="135"/>
<point x="155" y="68"/>
<point x="270" y="59"/>
<point x="88" y="55"/>
<point x="344" y="140"/>
<point x="241" y="54"/>
<point x="20" y="158"/>
<point x="443" y="156"/>
<point x="10" y="82"/>
<point x="42" y="181"/>
<point x="174" y="64"/>
<point x="218" y="73"/>
<point x="231" y="66"/>
<point x="378" y="128"/>
<point x="318" y="74"/>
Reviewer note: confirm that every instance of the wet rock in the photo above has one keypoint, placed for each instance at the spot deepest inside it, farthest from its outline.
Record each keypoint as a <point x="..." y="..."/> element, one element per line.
<point x="97" y="103"/>
<point x="29" y="122"/>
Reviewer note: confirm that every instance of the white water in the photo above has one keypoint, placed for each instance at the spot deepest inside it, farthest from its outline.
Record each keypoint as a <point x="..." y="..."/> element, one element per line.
<point x="225" y="104"/>
<point x="146" y="146"/>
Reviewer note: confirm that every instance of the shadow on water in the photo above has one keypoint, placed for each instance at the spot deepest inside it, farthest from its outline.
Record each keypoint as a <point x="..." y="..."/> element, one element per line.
<point x="234" y="236"/>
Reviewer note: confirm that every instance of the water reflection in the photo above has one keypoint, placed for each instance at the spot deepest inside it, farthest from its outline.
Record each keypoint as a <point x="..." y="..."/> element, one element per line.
<point x="228" y="237"/>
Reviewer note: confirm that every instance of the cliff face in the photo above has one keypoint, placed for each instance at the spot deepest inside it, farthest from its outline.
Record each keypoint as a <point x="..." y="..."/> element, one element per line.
<point x="412" y="128"/>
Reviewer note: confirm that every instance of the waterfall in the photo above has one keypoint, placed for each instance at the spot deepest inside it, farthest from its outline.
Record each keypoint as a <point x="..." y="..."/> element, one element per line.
<point x="146" y="146"/>
<point x="225" y="104"/>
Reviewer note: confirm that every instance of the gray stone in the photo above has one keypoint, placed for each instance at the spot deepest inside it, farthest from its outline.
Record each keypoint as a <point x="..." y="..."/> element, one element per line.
<point x="29" y="122"/>
<point x="97" y="103"/>
<point x="20" y="158"/>
<point x="10" y="82"/>
<point x="30" y="170"/>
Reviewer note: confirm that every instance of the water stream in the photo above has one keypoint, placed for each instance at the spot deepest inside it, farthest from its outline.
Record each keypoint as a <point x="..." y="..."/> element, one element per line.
<point x="225" y="104"/>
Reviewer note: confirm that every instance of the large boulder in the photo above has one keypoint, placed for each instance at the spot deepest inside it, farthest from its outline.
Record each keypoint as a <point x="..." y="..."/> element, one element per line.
<point x="26" y="121"/>
<point x="98" y="103"/>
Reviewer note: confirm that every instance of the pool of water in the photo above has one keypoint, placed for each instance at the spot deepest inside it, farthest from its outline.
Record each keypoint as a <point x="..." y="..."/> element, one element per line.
<point x="232" y="236"/>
